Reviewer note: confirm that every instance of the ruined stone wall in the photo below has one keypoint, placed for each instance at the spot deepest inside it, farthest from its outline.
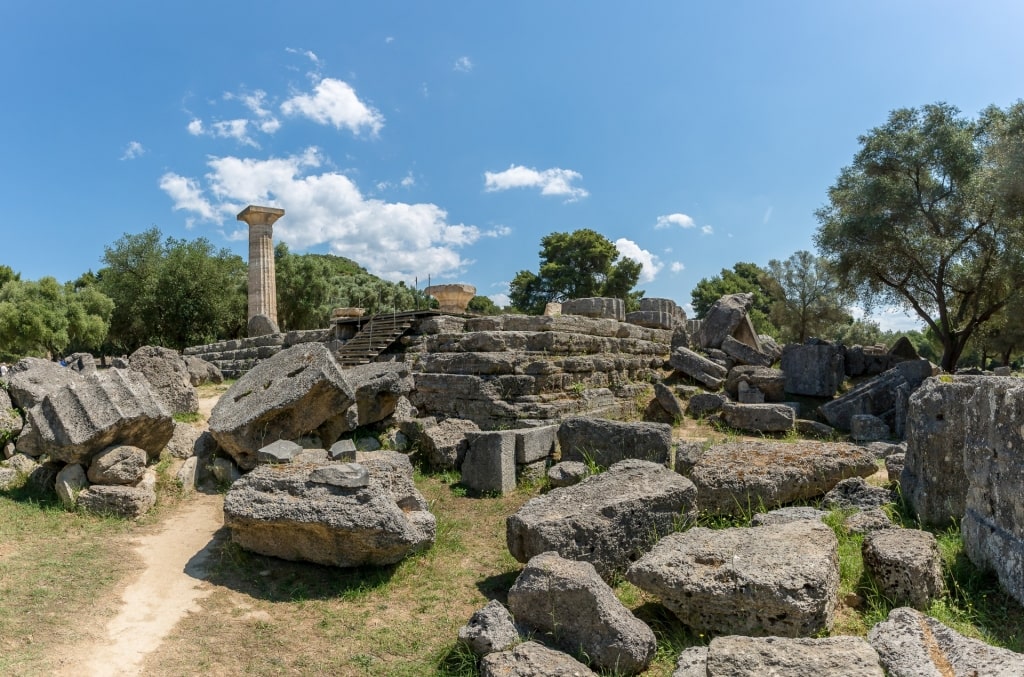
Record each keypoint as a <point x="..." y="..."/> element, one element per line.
<point x="237" y="356"/>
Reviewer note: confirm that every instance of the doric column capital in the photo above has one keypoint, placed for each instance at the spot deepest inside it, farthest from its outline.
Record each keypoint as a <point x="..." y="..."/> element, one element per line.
<point x="260" y="216"/>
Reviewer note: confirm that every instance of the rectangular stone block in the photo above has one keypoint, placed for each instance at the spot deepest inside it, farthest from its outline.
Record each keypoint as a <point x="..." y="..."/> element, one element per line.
<point x="490" y="462"/>
<point x="535" y="444"/>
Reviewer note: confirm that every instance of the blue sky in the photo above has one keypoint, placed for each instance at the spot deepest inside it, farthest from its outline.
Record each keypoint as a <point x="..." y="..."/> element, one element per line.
<point x="446" y="138"/>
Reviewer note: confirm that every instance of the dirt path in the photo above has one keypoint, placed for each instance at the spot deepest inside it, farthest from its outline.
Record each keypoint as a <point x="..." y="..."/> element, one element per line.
<point x="169" y="586"/>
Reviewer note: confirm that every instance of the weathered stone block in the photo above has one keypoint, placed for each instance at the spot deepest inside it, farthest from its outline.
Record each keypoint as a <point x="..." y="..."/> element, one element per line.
<point x="906" y="565"/>
<point x="490" y="462"/>
<point x="535" y="444"/>
<point x="737" y="656"/>
<point x="745" y="354"/>
<point x="698" y="367"/>
<point x="813" y="369"/>
<point x="606" y="442"/>
<point x="758" y="417"/>
<point x="868" y="428"/>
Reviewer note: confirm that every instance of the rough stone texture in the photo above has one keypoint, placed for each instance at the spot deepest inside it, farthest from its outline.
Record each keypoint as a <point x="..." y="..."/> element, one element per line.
<point x="856" y="494"/>
<point x="10" y="420"/>
<point x="536" y="444"/>
<point x="768" y="418"/>
<point x="894" y="466"/>
<point x="911" y="644"/>
<point x="737" y="656"/>
<point x="787" y="515"/>
<point x="668" y="401"/>
<point x="342" y="450"/>
<point x="188" y="474"/>
<point x="868" y="428"/>
<point x="596" y="307"/>
<point x="605" y="442"/>
<point x="567" y="473"/>
<point x="744" y="354"/>
<point x="741" y="477"/>
<point x="906" y="565"/>
<point x="771" y="382"/>
<point x="866" y="521"/>
<point x="76" y="421"/>
<point x="200" y="371"/>
<point x="705" y="403"/>
<point x="120" y="464"/>
<point x="281" y="451"/>
<point x="298" y="390"/>
<point x="884" y="449"/>
<point x="168" y="376"/>
<point x="83" y="363"/>
<point x="609" y="519"/>
<point x="569" y="600"/>
<point x="31" y="378"/>
<point x="885" y="396"/>
<point x="379" y="387"/>
<point x="531" y="659"/>
<point x="655" y="319"/>
<point x="774" y="580"/>
<point x="723" y="319"/>
<point x="283" y="512"/>
<point x="814" y="429"/>
<point x="70" y="481"/>
<point x="261" y="325"/>
<point x="814" y="368"/>
<point x="687" y="455"/>
<point x="225" y="470"/>
<point x="489" y="629"/>
<point x="121" y="501"/>
<point x="490" y="462"/>
<point x="693" y="662"/>
<point x="903" y="349"/>
<point x="183" y="440"/>
<point x="348" y="475"/>
<point x="698" y="367"/>
<point x="444" y="445"/>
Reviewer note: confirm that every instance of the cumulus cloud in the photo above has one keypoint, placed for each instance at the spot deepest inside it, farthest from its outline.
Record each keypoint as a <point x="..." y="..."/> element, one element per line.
<point x="133" y="150"/>
<point x="677" y="267"/>
<point x="409" y="181"/>
<point x="304" y="52"/>
<point x="256" y="103"/>
<point x="553" y="181"/>
<point x="649" y="262"/>
<point x="500" y="300"/>
<point x="676" y="219"/>
<point x="334" y="102"/>
<point x="395" y="240"/>
<point x="706" y="230"/>
<point x="498" y="231"/>
<point x="463" y="64"/>
<point x="195" y="127"/>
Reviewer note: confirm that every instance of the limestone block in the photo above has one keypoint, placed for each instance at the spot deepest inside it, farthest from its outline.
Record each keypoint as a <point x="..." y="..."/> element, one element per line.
<point x="738" y="477"/>
<point x="168" y="376"/>
<point x="698" y="367"/>
<point x="813" y="369"/>
<point x="758" y="417"/>
<point x="866" y="521"/>
<point x="71" y="480"/>
<point x="911" y="644"/>
<point x="886" y="396"/>
<point x="667" y="399"/>
<point x="605" y="442"/>
<point x="787" y="515"/>
<point x="490" y="462"/>
<point x="281" y="451"/>
<point x="854" y="493"/>
<point x="489" y="629"/>
<point x="119" y="500"/>
<point x="567" y="473"/>
<point x="533" y="659"/>
<point x="444" y="445"/>
<point x="744" y="354"/>
<point x="705" y="403"/>
<point x="597" y="307"/>
<point x="723" y="319"/>
<point x="119" y="464"/>
<point x="31" y="378"/>
<point x="868" y="428"/>
<point x="738" y="656"/>
<point x="608" y="519"/>
<point x="778" y="580"/>
<point x="651" y="318"/>
<point x="906" y="565"/>
<point x="536" y="444"/>
<point x="569" y="600"/>
<point x="342" y="450"/>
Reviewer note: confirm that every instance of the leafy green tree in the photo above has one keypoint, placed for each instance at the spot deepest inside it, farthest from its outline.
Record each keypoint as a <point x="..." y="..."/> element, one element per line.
<point x="482" y="305"/>
<point x="7" y="274"/>
<point x="575" y="265"/>
<point x="743" y="278"/>
<point x="806" y="297"/>
<point x="44" y="317"/>
<point x="173" y="293"/>
<point x="929" y="218"/>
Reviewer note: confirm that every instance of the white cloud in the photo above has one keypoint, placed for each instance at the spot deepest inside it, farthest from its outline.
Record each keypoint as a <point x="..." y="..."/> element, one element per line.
<point x="676" y="219"/>
<point x="334" y="102"/>
<point x="649" y="262"/>
<point x="133" y="150"/>
<point x="195" y="127"/>
<point x="677" y="267"/>
<point x="389" y="39"/>
<point x="395" y="240"/>
<point x="409" y="181"/>
<point x="767" y="215"/>
<point x="304" y="52"/>
<point x="237" y="129"/>
<point x="500" y="300"/>
<point x="256" y="103"/>
<point x="706" y="230"/>
<point x="463" y="64"/>
<point x="498" y="231"/>
<point x="553" y="181"/>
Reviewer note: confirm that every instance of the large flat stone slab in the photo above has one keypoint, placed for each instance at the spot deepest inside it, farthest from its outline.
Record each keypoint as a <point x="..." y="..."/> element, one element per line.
<point x="738" y="478"/>
<point x="609" y="519"/>
<point x="780" y="580"/>
<point x="605" y="442"/>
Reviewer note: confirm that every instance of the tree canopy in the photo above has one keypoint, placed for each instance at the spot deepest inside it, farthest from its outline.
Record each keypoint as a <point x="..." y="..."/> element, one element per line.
<point x="45" y="318"/>
<point x="580" y="264"/>
<point x="174" y="293"/>
<point x="743" y="278"/>
<point x="928" y="217"/>
<point x="806" y="297"/>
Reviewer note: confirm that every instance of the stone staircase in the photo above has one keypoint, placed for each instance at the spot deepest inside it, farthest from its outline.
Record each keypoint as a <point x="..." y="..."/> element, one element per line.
<point x="375" y="337"/>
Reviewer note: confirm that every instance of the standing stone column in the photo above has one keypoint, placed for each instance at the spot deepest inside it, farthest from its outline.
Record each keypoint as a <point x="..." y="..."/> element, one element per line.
<point x="262" y="284"/>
